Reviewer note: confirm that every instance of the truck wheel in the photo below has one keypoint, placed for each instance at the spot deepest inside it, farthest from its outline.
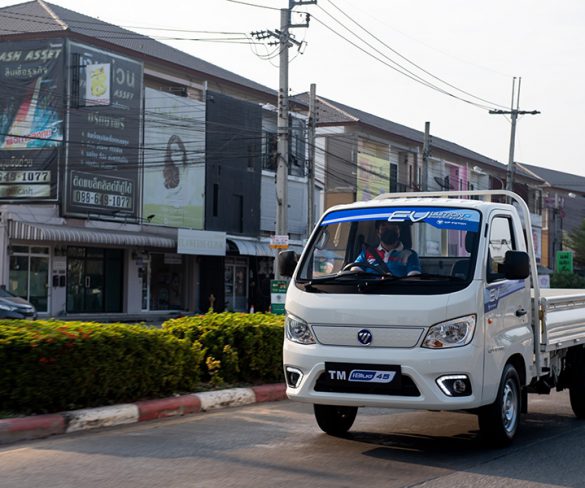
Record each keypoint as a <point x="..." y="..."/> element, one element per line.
<point x="499" y="421"/>
<point x="577" y="397"/>
<point x="577" y="384"/>
<point x="335" y="420"/>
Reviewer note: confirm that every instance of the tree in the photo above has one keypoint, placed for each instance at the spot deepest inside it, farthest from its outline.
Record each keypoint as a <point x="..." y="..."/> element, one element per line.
<point x="577" y="244"/>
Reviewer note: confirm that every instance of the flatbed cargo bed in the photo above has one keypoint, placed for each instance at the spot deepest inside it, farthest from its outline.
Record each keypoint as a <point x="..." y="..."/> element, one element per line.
<point x="562" y="313"/>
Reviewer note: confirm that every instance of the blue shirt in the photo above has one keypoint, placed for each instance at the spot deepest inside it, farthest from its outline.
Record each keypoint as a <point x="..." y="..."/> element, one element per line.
<point x="400" y="261"/>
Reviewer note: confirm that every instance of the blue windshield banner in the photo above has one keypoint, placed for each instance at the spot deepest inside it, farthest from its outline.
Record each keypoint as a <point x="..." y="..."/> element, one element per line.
<point x="439" y="217"/>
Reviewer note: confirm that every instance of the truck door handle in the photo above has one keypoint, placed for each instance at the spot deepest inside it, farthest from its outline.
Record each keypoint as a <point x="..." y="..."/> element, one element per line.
<point x="521" y="312"/>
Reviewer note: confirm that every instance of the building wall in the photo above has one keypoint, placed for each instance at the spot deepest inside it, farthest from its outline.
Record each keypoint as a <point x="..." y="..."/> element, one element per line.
<point x="297" y="205"/>
<point x="233" y="161"/>
<point x="340" y="170"/>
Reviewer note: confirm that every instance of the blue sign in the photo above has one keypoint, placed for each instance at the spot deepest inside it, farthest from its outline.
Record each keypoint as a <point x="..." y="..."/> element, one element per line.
<point x="439" y="217"/>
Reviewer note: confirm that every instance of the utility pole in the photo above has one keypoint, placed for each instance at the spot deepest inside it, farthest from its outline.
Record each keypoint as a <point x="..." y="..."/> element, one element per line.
<point x="282" y="131"/>
<point x="285" y="41"/>
<point x="311" y="160"/>
<point x="425" y="155"/>
<point x="513" y="112"/>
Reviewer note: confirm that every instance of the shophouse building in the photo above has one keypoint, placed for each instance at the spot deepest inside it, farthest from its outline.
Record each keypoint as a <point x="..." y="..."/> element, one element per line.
<point x="132" y="174"/>
<point x="361" y="155"/>
<point x="563" y="209"/>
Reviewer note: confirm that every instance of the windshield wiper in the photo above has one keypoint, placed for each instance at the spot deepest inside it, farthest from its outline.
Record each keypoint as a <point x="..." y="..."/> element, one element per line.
<point x="436" y="276"/>
<point x="348" y="274"/>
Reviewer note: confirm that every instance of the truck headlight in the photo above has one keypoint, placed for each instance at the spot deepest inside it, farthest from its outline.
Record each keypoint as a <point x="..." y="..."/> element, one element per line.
<point x="298" y="330"/>
<point x="452" y="333"/>
<point x="7" y="308"/>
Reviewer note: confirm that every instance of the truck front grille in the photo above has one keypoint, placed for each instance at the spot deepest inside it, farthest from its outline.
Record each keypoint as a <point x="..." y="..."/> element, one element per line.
<point x="408" y="388"/>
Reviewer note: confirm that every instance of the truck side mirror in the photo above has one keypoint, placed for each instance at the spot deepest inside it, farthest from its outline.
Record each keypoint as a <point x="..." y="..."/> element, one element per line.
<point x="516" y="265"/>
<point x="287" y="262"/>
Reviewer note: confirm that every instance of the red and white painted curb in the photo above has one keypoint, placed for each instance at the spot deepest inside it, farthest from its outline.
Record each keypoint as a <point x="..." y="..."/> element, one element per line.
<point x="38" y="426"/>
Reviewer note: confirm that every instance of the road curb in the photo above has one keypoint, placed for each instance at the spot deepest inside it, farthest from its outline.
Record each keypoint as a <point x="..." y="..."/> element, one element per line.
<point x="40" y="426"/>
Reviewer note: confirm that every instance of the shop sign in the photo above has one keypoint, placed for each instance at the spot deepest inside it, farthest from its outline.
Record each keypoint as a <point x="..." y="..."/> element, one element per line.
<point x="201" y="242"/>
<point x="103" y="155"/>
<point x="278" y="296"/>
<point x="174" y="160"/>
<point x="279" y="242"/>
<point x="31" y="118"/>
<point x="564" y="261"/>
<point x="98" y="84"/>
<point x="173" y="258"/>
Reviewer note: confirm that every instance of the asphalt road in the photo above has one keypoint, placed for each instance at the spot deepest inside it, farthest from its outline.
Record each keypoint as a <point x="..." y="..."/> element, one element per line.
<point x="278" y="444"/>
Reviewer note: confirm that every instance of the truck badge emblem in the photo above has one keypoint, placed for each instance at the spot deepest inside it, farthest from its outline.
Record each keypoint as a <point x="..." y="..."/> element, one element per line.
<point x="364" y="336"/>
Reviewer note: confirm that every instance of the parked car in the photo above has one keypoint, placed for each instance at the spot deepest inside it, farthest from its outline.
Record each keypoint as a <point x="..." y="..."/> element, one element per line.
<point x="15" y="307"/>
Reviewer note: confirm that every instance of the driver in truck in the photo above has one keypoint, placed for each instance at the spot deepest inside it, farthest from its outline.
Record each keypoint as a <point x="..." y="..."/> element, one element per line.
<point x="391" y="255"/>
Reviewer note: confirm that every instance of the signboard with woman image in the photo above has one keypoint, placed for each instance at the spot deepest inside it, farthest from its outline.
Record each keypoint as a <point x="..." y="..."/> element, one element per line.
<point x="174" y="167"/>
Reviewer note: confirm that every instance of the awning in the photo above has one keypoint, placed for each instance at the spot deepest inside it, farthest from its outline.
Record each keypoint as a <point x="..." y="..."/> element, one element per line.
<point x="80" y="235"/>
<point x="259" y="248"/>
<point x="252" y="247"/>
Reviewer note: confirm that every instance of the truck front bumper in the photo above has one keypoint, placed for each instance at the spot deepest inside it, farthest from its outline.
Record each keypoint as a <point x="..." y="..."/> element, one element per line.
<point x="419" y="370"/>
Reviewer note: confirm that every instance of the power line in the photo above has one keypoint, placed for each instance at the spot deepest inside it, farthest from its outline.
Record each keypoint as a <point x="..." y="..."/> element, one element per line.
<point x="401" y="70"/>
<point x="252" y="4"/>
<point x="359" y="25"/>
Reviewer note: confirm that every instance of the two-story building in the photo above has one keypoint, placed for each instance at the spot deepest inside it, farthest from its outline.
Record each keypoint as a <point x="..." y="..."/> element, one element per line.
<point x="134" y="178"/>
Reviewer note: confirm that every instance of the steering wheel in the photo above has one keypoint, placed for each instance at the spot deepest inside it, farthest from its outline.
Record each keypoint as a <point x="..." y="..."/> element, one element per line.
<point x="363" y="264"/>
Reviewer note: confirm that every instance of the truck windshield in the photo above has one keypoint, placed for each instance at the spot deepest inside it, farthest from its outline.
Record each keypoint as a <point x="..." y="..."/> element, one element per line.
<point x="392" y="250"/>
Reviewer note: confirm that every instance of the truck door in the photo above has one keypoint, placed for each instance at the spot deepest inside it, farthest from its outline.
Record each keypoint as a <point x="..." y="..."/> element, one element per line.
<point x="506" y="304"/>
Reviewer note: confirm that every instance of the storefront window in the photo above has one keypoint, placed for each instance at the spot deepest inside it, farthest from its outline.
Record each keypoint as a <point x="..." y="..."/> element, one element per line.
<point x="29" y="275"/>
<point x="167" y="282"/>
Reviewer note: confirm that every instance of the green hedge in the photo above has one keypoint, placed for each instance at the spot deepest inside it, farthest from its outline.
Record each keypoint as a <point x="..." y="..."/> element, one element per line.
<point x="237" y="347"/>
<point x="566" y="280"/>
<point x="47" y="366"/>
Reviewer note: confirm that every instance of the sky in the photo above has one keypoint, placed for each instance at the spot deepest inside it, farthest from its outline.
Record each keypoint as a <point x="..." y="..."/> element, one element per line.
<point x="471" y="50"/>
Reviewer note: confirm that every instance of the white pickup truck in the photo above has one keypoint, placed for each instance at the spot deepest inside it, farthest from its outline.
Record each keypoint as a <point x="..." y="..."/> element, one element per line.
<point x="449" y="316"/>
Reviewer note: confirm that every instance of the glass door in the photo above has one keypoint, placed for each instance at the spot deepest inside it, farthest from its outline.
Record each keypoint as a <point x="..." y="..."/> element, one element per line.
<point x="236" y="284"/>
<point x="85" y="280"/>
<point x="145" y="278"/>
<point x="29" y="275"/>
<point x="94" y="284"/>
<point x="75" y="280"/>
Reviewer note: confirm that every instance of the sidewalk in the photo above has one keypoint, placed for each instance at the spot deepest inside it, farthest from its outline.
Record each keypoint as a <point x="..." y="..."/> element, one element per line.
<point x="39" y="426"/>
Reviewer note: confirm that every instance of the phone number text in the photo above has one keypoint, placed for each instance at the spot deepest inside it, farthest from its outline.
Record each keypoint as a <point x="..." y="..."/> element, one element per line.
<point x="101" y="199"/>
<point x="25" y="176"/>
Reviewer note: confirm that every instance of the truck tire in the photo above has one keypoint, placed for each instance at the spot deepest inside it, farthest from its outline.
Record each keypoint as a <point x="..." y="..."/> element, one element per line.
<point x="576" y="359"/>
<point x="499" y="421"/>
<point x="334" y="420"/>
<point x="577" y="397"/>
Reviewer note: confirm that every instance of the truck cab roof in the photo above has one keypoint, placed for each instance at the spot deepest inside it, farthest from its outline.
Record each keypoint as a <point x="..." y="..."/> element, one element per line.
<point x="422" y="201"/>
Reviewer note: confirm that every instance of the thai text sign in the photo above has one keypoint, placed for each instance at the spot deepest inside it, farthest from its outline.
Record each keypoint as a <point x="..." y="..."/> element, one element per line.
<point x="564" y="261"/>
<point x="31" y="118"/>
<point x="103" y="154"/>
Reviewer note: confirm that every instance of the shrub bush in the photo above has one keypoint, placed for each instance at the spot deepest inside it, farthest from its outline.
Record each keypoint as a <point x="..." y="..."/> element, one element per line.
<point x="566" y="280"/>
<point x="247" y="346"/>
<point x="47" y="366"/>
